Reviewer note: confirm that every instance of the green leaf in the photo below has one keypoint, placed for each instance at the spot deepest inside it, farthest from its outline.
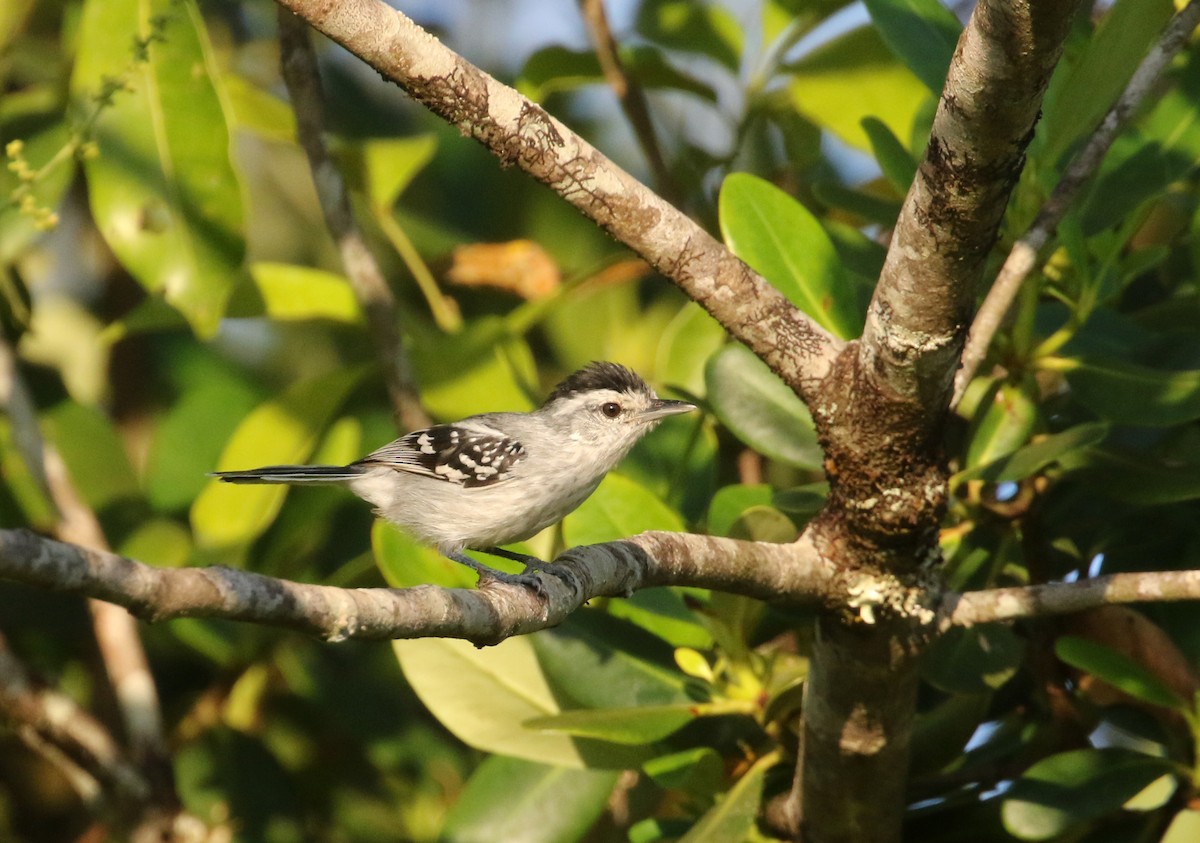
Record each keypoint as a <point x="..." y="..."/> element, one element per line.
<point x="897" y="163"/>
<point x="1125" y="393"/>
<point x="480" y="369"/>
<point x="693" y="27"/>
<point x="1117" y="670"/>
<point x="1030" y="459"/>
<point x="697" y="771"/>
<point x="283" y="430"/>
<point x="454" y="678"/>
<point x="973" y="661"/>
<point x="852" y="77"/>
<point x="391" y="164"/>
<point x="555" y="68"/>
<point x="730" y="502"/>
<point x="665" y="612"/>
<point x="163" y="191"/>
<point x="760" y="409"/>
<point x="732" y="818"/>
<point x="94" y="454"/>
<point x="525" y="802"/>
<point x="1185" y="828"/>
<point x="786" y="244"/>
<point x="1063" y="791"/>
<point x="1081" y="94"/>
<point x="286" y="292"/>
<point x="1135" y="478"/>
<point x="160" y="542"/>
<point x="618" y="509"/>
<point x="1002" y="424"/>
<point x="642" y="725"/>
<point x="595" y="660"/>
<point x="690" y="339"/>
<point x="921" y="33"/>
<point x="405" y="562"/>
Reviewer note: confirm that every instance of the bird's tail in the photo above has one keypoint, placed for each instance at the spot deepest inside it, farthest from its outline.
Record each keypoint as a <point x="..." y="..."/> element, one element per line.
<point x="294" y="474"/>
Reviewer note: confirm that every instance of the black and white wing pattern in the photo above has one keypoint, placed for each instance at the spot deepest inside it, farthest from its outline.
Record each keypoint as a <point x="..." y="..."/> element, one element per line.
<point x="470" y="455"/>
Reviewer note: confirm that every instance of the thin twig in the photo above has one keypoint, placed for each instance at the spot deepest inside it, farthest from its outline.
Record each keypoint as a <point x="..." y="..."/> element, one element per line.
<point x="791" y="573"/>
<point x="630" y="95"/>
<point x="1024" y="256"/>
<point x="1006" y="604"/>
<point x="298" y="62"/>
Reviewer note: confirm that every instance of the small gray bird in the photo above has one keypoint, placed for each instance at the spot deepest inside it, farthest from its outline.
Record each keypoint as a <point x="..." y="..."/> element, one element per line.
<point x="498" y="478"/>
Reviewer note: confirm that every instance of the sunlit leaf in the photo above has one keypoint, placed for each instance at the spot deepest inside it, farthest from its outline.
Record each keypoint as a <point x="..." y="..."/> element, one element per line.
<point x="288" y="292"/>
<point x="1002" y="424"/>
<point x="163" y="191"/>
<point x="1065" y="790"/>
<point x="786" y="244"/>
<point x="392" y="163"/>
<point x="1117" y="670"/>
<point x="760" y="409"/>
<point x="855" y="76"/>
<point x="626" y="725"/>
<point x="733" y="816"/>
<point x="281" y="431"/>
<point x="451" y="677"/>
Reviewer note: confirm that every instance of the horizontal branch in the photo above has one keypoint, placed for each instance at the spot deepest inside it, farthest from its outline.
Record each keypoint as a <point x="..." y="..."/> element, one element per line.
<point x="521" y="133"/>
<point x="1006" y="604"/>
<point x="781" y="572"/>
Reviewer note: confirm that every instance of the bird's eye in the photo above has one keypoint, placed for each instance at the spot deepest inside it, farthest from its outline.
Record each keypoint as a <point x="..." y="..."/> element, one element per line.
<point x="611" y="410"/>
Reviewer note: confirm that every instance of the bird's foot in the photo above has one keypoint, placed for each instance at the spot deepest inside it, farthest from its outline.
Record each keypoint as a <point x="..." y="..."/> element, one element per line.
<point x="526" y="579"/>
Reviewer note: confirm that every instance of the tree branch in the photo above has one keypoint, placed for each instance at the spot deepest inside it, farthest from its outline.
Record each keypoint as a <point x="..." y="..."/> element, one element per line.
<point x="303" y="79"/>
<point x="630" y="95"/>
<point x="918" y="317"/>
<point x="1025" y="253"/>
<point x="1006" y="604"/>
<point x="781" y="572"/>
<point x="519" y="132"/>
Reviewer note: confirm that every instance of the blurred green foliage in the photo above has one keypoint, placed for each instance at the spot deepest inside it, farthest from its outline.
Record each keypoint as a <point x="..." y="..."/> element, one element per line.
<point x="179" y="307"/>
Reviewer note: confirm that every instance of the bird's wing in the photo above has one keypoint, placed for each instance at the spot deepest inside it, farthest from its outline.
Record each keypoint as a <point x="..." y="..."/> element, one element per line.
<point x="471" y="455"/>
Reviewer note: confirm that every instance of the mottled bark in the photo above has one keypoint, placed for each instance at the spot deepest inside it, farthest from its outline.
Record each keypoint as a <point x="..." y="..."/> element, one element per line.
<point x="880" y="414"/>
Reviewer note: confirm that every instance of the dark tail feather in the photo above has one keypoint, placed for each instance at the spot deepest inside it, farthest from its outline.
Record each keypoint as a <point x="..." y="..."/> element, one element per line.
<point x="292" y="474"/>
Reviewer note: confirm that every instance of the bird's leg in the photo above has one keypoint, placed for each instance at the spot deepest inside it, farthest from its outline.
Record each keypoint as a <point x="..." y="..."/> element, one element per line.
<point x="524" y="578"/>
<point x="531" y="563"/>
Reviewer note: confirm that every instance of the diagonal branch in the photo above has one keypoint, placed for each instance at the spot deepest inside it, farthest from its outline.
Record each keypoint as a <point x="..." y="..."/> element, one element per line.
<point x="1025" y="252"/>
<point x="1006" y="604"/>
<point x="303" y="79"/>
<point x="918" y="317"/>
<point x="782" y="572"/>
<point x="520" y="132"/>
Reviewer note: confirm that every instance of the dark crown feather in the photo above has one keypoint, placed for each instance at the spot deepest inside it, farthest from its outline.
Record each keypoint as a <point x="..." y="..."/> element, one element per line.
<point x="599" y="374"/>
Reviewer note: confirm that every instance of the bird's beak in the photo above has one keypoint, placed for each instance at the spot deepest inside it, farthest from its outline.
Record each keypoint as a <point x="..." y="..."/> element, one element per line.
<point x="663" y="407"/>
